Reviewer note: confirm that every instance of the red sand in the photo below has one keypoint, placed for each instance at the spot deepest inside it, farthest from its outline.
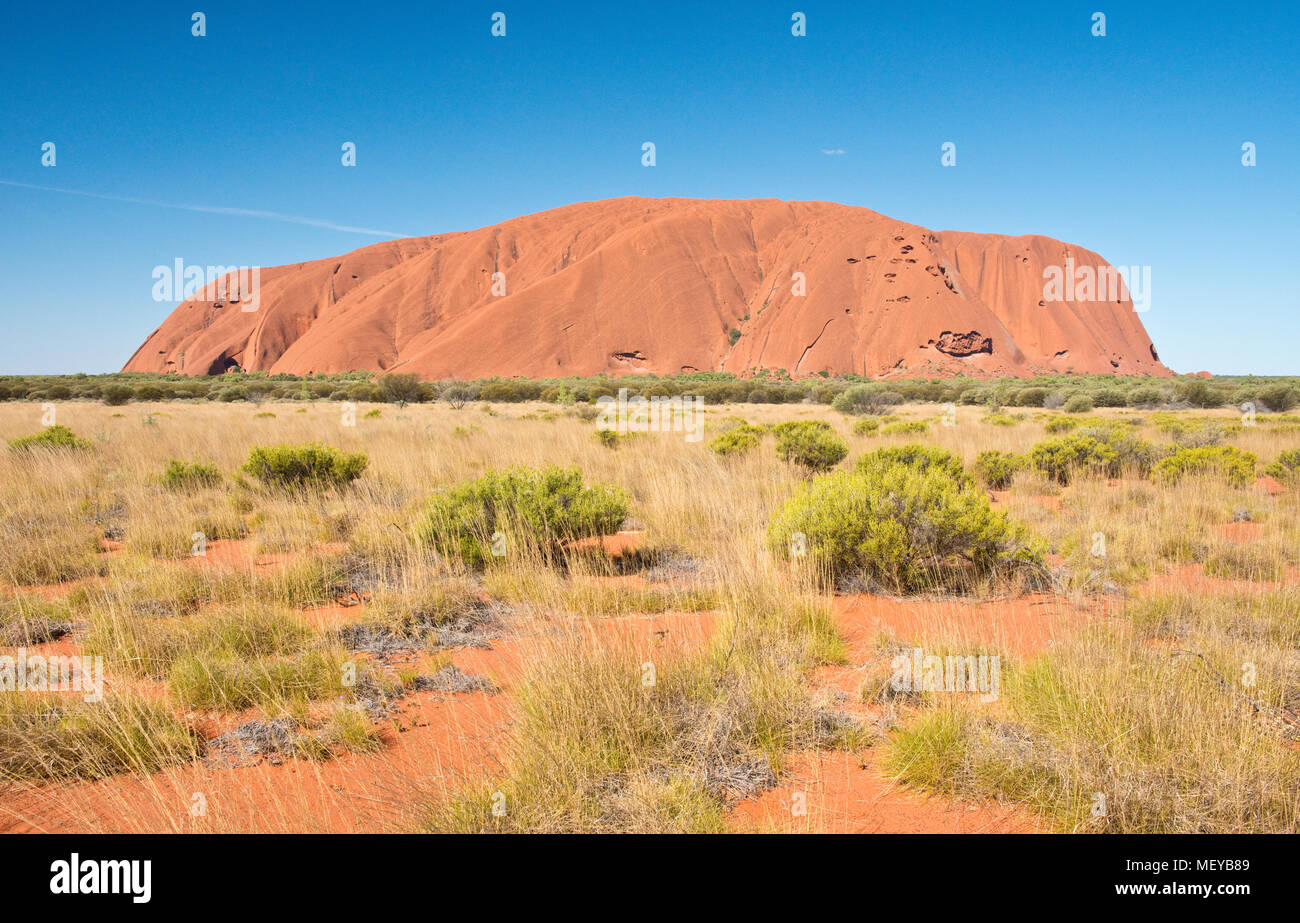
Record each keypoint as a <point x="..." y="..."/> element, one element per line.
<point x="655" y="285"/>
<point x="848" y="793"/>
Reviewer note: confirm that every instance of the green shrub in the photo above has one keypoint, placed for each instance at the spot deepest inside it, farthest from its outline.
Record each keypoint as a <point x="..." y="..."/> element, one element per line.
<point x="1061" y="425"/>
<point x="738" y="440"/>
<point x="996" y="468"/>
<point x="1192" y="433"/>
<point x="183" y="475"/>
<point x="116" y="395"/>
<point x="866" y="398"/>
<point x="57" y="436"/>
<point x="1220" y="461"/>
<point x="1199" y="394"/>
<point x="1061" y="459"/>
<point x="541" y="507"/>
<point x="1286" y="467"/>
<point x="1146" y="397"/>
<point x="1278" y="397"/>
<point x="811" y="445"/>
<point x="867" y="426"/>
<point x="905" y="428"/>
<point x="918" y="457"/>
<point x="1031" y="397"/>
<point x="1078" y="403"/>
<point x="299" y="466"/>
<point x="904" y="527"/>
<point x="401" y="389"/>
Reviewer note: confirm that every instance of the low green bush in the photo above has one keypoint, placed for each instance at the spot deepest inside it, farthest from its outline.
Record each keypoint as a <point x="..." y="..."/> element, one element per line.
<point x="905" y="428"/>
<point x="906" y="528"/>
<point x="312" y="465"/>
<point x="1063" y="458"/>
<point x="996" y="468"/>
<point x="1286" y="466"/>
<point x="1078" y="403"/>
<point x="1061" y="425"/>
<point x="540" y="507"/>
<point x="917" y="456"/>
<point x="1221" y="461"/>
<point x="183" y="475"/>
<point x="812" y="445"/>
<point x="737" y="440"/>
<point x="116" y="395"/>
<point x="865" y="398"/>
<point x="57" y="436"/>
<point x="868" y="426"/>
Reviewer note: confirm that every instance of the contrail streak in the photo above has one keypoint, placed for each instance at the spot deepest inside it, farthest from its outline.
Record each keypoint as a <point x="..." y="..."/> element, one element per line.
<point x="211" y="209"/>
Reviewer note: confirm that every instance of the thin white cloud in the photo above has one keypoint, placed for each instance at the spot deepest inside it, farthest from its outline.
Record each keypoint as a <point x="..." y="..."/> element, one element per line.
<point x="838" y="150"/>
<point x="212" y="209"/>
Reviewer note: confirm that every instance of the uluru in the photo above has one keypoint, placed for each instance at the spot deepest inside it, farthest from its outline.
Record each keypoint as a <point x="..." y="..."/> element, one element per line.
<point x="668" y="286"/>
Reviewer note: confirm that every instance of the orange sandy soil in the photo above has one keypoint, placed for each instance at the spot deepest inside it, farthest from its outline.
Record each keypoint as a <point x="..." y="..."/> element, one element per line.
<point x="848" y="792"/>
<point x="433" y="744"/>
<point x="1238" y="531"/>
<point x="437" y="744"/>
<point x="1191" y="578"/>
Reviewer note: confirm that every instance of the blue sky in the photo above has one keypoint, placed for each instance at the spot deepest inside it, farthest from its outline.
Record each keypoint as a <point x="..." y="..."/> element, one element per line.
<point x="1129" y="145"/>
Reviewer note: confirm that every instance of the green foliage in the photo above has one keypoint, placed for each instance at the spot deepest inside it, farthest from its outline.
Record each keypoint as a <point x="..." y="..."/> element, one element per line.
<point x="917" y="456"/>
<point x="312" y="465"/>
<point x="1061" y="425"/>
<point x="401" y="388"/>
<point x="117" y="395"/>
<point x="907" y="528"/>
<point x="812" y="445"/>
<point x="1286" y="467"/>
<point x="1146" y="397"/>
<point x="1199" y="394"/>
<point x="183" y="475"/>
<point x="608" y="438"/>
<point x="866" y="398"/>
<point x="1078" y="403"/>
<point x="867" y="426"/>
<point x="541" y="508"/>
<point x="737" y="440"/>
<point x="1061" y="459"/>
<point x="232" y="683"/>
<point x="1105" y="450"/>
<point x="1195" y="431"/>
<point x="905" y="428"/>
<point x="1278" y="397"/>
<point x="1221" y="461"/>
<point x="51" y="737"/>
<point x="1031" y="397"/>
<point x="57" y="436"/>
<point x="996" y="468"/>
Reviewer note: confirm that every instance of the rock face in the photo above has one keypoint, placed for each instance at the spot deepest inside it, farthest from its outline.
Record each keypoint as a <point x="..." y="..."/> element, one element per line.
<point x="660" y="285"/>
